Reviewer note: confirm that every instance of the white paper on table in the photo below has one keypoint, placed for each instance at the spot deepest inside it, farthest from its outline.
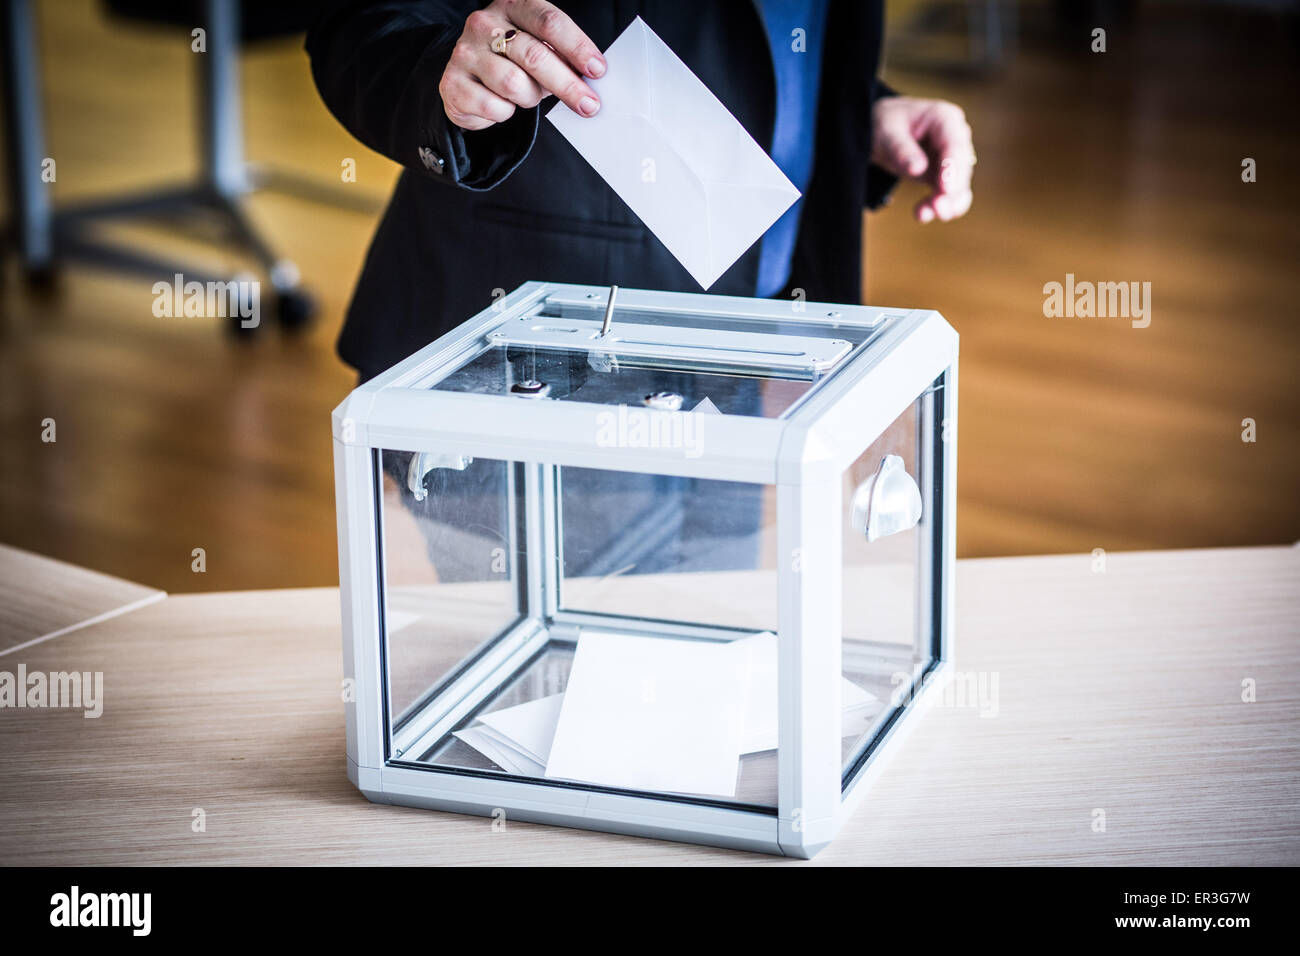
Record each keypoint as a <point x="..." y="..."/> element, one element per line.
<point x="651" y="714"/>
<point x="676" y="156"/>
<point x="857" y="706"/>
<point x="503" y="756"/>
<point x="529" y="727"/>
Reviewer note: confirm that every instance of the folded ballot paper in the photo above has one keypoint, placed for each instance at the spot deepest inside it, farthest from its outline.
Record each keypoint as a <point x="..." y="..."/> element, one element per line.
<point x="676" y="156"/>
<point x="653" y="714"/>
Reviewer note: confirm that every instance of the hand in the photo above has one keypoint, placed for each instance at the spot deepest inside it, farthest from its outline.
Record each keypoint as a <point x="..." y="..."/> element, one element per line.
<point x="928" y="140"/>
<point x="547" y="55"/>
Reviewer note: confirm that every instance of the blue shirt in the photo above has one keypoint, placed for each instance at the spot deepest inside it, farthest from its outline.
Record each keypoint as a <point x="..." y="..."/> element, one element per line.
<point x="797" y="60"/>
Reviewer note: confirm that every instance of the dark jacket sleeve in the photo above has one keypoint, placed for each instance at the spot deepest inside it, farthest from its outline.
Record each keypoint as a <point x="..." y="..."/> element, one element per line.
<point x="880" y="183"/>
<point x="377" y="66"/>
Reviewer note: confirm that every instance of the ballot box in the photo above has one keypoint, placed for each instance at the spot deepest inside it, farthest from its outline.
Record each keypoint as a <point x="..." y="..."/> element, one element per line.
<point x="662" y="564"/>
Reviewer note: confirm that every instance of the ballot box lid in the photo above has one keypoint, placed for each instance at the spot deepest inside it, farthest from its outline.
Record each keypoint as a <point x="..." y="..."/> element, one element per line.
<point x="539" y="375"/>
<point x="669" y="351"/>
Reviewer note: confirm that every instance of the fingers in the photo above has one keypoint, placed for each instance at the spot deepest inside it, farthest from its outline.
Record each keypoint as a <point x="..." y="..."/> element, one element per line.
<point x="949" y="133"/>
<point x="552" y="74"/>
<point x="928" y="140"/>
<point x="469" y="104"/>
<point x="952" y="195"/>
<point x="466" y="100"/>
<point x="948" y="138"/>
<point x="480" y="87"/>
<point x="943" y="206"/>
<point x="955" y="175"/>
<point x="549" y="23"/>
<point x="895" y="147"/>
<point x="509" y="82"/>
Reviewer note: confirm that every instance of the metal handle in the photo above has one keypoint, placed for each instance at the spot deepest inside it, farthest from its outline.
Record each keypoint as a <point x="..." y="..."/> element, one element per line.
<point x="609" y="311"/>
<point x="426" y="461"/>
<point x="886" y="503"/>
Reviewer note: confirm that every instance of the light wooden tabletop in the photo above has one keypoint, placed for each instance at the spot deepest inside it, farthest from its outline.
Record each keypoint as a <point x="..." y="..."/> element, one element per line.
<point x="1116" y="733"/>
<point x="41" y="598"/>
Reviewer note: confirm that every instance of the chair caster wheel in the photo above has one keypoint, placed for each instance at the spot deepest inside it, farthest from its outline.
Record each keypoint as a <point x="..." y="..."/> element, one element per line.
<point x="42" y="280"/>
<point x="294" y="309"/>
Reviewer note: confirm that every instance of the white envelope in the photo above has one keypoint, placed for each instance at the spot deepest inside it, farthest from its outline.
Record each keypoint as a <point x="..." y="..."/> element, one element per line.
<point x="504" y="756"/>
<point x="857" y="707"/>
<point x="676" y="156"/>
<point x="529" y="727"/>
<point x="651" y="714"/>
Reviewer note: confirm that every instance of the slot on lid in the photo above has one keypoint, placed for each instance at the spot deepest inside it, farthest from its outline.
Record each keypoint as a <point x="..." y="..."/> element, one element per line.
<point x="797" y="353"/>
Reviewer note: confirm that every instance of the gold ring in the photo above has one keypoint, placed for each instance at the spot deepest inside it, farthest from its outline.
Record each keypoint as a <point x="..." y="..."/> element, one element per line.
<point x="501" y="40"/>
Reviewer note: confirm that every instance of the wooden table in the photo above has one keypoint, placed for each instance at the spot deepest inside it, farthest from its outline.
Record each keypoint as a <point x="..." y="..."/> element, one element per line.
<point x="1118" y="694"/>
<point x="41" y="598"/>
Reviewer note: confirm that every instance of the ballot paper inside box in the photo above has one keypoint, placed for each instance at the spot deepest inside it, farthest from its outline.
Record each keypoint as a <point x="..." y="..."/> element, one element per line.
<point x="687" y="579"/>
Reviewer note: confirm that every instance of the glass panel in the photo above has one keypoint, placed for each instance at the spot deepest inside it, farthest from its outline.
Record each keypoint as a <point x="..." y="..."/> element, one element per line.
<point x="579" y="376"/>
<point x="636" y="549"/>
<point x="885" y="523"/>
<point x="665" y="548"/>
<point x="547" y="674"/>
<point x="450" y="577"/>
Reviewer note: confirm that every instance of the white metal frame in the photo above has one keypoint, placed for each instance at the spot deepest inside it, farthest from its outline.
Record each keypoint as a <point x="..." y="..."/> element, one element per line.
<point x="803" y="453"/>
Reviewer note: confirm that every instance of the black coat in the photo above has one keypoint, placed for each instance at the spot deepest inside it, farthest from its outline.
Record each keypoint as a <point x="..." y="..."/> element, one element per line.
<point x="481" y="211"/>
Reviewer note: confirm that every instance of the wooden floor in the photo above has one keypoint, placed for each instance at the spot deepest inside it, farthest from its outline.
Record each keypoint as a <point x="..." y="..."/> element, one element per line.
<point x="1075" y="433"/>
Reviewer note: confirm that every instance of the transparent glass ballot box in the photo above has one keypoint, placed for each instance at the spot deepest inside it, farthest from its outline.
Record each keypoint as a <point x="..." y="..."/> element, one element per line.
<point x="682" y="577"/>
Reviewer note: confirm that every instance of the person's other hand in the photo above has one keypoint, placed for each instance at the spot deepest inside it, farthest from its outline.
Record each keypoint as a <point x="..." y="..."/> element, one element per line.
<point x="928" y="140"/>
<point x="546" y="54"/>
